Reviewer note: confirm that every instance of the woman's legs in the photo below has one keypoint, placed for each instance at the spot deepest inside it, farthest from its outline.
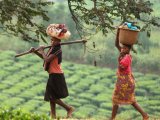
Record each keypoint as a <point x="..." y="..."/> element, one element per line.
<point x="114" y="111"/>
<point x="53" y="109"/>
<point x="139" y="109"/>
<point x="135" y="105"/>
<point x="68" y="108"/>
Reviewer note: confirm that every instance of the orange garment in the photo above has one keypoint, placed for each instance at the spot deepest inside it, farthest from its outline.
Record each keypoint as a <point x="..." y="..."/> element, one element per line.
<point x="54" y="67"/>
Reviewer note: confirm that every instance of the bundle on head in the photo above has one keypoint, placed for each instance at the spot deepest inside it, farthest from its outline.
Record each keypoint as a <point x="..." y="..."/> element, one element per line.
<point x="58" y="31"/>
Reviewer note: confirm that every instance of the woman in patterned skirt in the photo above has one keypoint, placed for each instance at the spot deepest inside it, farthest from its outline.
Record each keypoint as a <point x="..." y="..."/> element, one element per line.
<point x="124" y="89"/>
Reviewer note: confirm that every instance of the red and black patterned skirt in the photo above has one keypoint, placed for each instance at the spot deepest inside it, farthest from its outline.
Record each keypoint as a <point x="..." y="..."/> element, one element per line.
<point x="124" y="90"/>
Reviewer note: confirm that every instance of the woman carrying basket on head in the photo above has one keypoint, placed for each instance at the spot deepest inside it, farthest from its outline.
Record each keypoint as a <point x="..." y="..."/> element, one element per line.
<point x="56" y="87"/>
<point x="124" y="89"/>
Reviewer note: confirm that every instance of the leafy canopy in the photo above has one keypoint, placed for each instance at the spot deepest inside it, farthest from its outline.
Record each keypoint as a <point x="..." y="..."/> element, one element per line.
<point x="19" y="18"/>
<point x="105" y="14"/>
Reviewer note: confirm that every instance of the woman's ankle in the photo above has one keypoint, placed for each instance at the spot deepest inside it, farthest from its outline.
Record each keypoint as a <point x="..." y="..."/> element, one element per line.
<point x="112" y="118"/>
<point x="69" y="108"/>
<point x="53" y="116"/>
<point x="145" y="115"/>
<point x="70" y="111"/>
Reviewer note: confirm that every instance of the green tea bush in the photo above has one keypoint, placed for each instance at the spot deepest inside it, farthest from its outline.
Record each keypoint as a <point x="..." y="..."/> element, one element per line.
<point x="38" y="89"/>
<point x="11" y="68"/>
<point x="86" y="95"/>
<point x="14" y="101"/>
<point x="101" y="97"/>
<point x="30" y="105"/>
<point x="81" y="101"/>
<point x="4" y="97"/>
<point x="3" y="86"/>
<point x="137" y="74"/>
<point x="82" y="86"/>
<point x="19" y="66"/>
<point x="7" y="56"/>
<point x="45" y="107"/>
<point x="18" y="114"/>
<point x="28" y="94"/>
<point x="3" y="74"/>
<point x="103" y="112"/>
<point x="141" y="92"/>
<point x="85" y="111"/>
<point x="5" y="63"/>
<point x="96" y="89"/>
<point x="12" y="91"/>
<point x="23" y="84"/>
<point x="13" y="79"/>
<point x="73" y="79"/>
<point x="151" y="76"/>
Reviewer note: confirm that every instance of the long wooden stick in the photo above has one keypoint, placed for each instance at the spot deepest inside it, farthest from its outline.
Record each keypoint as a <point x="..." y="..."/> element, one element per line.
<point x="64" y="43"/>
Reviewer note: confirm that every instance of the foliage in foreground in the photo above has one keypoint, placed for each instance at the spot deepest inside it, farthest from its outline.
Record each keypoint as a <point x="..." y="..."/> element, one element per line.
<point x="18" y="114"/>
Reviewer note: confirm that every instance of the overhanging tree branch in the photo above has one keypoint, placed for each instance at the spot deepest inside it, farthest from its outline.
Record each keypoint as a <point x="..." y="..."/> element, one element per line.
<point x="18" y="18"/>
<point x="105" y="15"/>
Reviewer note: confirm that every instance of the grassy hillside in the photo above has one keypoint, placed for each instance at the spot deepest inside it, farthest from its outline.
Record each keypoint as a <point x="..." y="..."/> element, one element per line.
<point x="22" y="85"/>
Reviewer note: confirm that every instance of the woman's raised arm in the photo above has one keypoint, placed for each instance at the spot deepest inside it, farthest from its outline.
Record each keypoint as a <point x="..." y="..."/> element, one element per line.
<point x="117" y="40"/>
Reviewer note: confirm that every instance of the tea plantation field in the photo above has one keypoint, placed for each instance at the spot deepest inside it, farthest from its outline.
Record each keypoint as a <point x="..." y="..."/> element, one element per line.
<point x="23" y="82"/>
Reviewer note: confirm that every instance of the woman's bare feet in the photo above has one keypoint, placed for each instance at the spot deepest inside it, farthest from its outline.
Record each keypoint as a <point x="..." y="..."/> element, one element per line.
<point x="111" y="119"/>
<point x="70" y="111"/>
<point x="53" y="116"/>
<point x="146" y="117"/>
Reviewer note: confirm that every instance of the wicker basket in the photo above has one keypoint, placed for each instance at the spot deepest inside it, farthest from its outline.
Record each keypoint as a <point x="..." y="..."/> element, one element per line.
<point x="127" y="36"/>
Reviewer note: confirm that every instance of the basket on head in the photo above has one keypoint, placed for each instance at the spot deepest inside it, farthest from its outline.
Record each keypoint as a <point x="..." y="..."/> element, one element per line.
<point x="58" y="31"/>
<point x="127" y="36"/>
